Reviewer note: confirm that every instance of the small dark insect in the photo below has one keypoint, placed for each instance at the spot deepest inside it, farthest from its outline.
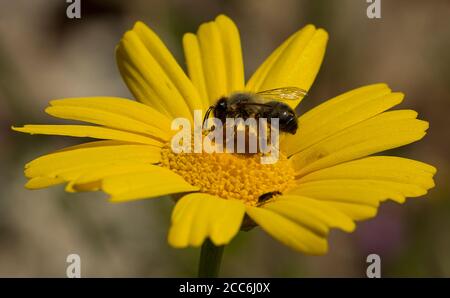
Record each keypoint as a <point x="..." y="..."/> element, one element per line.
<point x="267" y="196"/>
<point x="266" y="104"/>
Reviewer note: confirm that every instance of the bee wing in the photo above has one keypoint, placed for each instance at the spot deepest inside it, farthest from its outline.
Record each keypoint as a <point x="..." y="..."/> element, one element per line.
<point x="256" y="104"/>
<point x="281" y="94"/>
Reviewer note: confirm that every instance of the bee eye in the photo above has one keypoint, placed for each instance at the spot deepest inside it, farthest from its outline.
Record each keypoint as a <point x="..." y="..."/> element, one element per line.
<point x="285" y="114"/>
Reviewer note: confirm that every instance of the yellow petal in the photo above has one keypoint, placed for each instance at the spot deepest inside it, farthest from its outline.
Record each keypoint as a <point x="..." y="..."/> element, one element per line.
<point x="42" y="182"/>
<point x="357" y="186"/>
<point x="81" y="158"/>
<point x="382" y="132"/>
<point x="154" y="182"/>
<point x="107" y="119"/>
<point x="170" y="66"/>
<point x="42" y="177"/>
<point x="124" y="108"/>
<point x="91" y="186"/>
<point x="137" y="83"/>
<point x="384" y="168"/>
<point x="107" y="170"/>
<point x="214" y="58"/>
<point x="257" y="79"/>
<point x="86" y="131"/>
<point x="199" y="216"/>
<point x="388" y="168"/>
<point x="339" y="113"/>
<point x="294" y="64"/>
<point x="213" y="61"/>
<point x="94" y="144"/>
<point x="288" y="231"/>
<point x="194" y="63"/>
<point x="367" y="192"/>
<point x="231" y="43"/>
<point x="153" y="82"/>
<point x="310" y="213"/>
<point x="87" y="175"/>
<point x="355" y="211"/>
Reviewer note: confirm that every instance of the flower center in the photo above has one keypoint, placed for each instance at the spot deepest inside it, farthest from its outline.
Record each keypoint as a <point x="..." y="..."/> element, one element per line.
<point x="230" y="175"/>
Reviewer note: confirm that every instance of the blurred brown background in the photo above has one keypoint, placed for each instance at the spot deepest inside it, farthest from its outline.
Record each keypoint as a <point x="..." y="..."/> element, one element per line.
<point x="44" y="55"/>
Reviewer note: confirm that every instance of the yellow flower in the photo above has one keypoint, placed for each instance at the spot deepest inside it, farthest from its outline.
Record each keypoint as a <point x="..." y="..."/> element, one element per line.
<point x="324" y="174"/>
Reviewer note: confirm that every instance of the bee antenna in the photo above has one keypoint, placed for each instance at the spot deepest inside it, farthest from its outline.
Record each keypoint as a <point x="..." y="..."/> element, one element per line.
<point x="207" y="115"/>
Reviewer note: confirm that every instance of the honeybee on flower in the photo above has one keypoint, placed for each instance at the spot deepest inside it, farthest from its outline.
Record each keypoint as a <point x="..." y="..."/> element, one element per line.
<point x="326" y="176"/>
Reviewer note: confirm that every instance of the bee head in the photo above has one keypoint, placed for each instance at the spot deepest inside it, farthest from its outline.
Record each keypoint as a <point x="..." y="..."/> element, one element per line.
<point x="220" y="109"/>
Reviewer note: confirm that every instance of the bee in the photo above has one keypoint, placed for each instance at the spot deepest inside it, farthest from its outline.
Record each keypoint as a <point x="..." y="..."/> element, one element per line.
<point x="266" y="104"/>
<point x="267" y="196"/>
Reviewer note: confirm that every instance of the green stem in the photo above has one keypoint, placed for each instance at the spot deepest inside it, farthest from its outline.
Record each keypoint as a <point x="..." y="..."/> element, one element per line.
<point x="210" y="259"/>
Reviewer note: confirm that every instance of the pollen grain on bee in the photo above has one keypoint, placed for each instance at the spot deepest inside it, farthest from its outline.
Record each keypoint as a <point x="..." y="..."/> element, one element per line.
<point x="236" y="135"/>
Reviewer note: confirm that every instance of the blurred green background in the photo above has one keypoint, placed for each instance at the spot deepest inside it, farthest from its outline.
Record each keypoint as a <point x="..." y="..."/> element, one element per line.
<point x="44" y="55"/>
